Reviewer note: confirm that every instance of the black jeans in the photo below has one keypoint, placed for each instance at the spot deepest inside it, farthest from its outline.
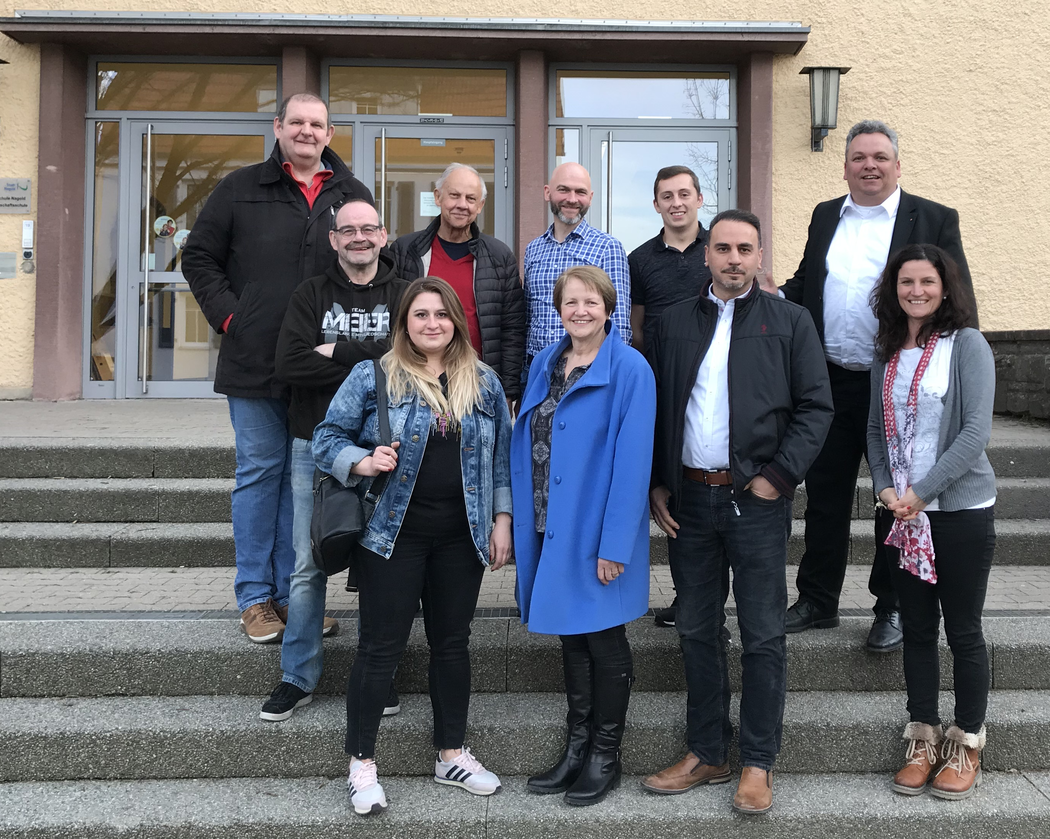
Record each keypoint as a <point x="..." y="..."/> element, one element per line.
<point x="830" y="490"/>
<point x="711" y="538"/>
<point x="607" y="648"/>
<point x="964" y="543"/>
<point x="443" y="569"/>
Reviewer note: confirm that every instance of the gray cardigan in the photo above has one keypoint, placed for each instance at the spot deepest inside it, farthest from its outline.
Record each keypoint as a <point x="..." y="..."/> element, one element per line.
<point x="962" y="475"/>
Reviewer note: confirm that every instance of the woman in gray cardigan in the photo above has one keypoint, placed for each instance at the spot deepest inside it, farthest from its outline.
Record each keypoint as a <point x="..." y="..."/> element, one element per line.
<point x="932" y="387"/>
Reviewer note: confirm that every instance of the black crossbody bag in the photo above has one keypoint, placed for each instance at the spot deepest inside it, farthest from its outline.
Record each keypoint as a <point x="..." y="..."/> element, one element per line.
<point x="340" y="514"/>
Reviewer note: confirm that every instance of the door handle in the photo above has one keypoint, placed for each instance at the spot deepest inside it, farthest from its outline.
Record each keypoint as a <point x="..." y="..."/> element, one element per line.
<point x="144" y="348"/>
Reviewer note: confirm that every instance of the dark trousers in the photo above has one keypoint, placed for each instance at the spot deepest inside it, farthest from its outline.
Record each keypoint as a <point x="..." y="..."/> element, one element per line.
<point x="711" y="538"/>
<point x="964" y="543"/>
<point x="830" y="488"/>
<point x="607" y="649"/>
<point x="442" y="569"/>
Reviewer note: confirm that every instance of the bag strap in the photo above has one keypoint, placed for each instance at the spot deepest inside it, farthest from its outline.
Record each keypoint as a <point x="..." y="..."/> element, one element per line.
<point x="383" y="415"/>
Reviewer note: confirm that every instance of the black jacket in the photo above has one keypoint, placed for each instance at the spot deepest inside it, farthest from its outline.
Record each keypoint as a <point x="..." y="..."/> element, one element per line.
<point x="330" y="309"/>
<point x="780" y="404"/>
<point x="919" y="221"/>
<point x="255" y="240"/>
<point x="497" y="293"/>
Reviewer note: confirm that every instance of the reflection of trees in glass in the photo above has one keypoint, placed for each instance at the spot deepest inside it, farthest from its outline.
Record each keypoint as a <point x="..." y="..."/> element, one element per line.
<point x="104" y="262"/>
<point x="706" y="99"/>
<point x="190" y="87"/>
<point x="703" y="159"/>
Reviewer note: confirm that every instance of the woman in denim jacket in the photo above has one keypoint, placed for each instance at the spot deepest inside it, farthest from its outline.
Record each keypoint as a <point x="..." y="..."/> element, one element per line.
<point x="444" y="516"/>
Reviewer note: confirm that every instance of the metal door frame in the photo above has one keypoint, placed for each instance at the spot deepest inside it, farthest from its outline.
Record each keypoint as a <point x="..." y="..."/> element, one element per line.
<point x="130" y="274"/>
<point x="501" y="200"/>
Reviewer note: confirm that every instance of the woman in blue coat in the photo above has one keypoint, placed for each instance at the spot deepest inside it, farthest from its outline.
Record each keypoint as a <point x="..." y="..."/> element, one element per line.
<point x="581" y="456"/>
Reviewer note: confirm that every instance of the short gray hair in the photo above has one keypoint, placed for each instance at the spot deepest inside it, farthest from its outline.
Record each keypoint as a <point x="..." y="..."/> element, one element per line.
<point x="452" y="167"/>
<point x="872" y="126"/>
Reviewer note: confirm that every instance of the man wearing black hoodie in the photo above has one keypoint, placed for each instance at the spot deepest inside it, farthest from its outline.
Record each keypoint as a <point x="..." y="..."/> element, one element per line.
<point x="334" y="321"/>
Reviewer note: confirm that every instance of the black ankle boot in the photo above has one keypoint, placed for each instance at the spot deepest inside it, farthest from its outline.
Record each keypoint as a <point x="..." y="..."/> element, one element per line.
<point x="578" y="677"/>
<point x="601" y="771"/>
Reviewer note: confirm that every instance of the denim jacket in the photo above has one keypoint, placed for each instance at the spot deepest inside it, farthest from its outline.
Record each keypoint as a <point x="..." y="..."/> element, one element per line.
<point x="350" y="432"/>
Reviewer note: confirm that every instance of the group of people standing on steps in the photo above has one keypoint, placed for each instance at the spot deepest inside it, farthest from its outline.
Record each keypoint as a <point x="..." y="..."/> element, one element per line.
<point x="545" y="416"/>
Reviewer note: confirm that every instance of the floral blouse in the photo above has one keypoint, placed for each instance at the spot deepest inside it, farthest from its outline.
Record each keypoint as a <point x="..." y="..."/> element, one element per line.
<point x="542" y="422"/>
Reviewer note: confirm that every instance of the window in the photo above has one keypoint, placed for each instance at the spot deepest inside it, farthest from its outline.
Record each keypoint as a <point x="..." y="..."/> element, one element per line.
<point x="141" y="86"/>
<point x="418" y="91"/>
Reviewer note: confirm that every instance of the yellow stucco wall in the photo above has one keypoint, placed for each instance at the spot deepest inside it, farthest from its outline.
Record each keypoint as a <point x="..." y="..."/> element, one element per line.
<point x="965" y="86"/>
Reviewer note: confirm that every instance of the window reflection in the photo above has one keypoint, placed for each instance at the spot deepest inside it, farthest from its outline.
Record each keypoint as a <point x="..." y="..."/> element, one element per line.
<point x="418" y="91"/>
<point x="134" y="86"/>
<point x="104" y="251"/>
<point x="343" y="144"/>
<point x="634" y="166"/>
<point x="603" y="94"/>
<point x="567" y="146"/>
<point x="413" y="166"/>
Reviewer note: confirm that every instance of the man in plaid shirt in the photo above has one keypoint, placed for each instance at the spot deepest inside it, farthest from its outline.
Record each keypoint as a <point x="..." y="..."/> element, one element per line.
<point x="570" y="241"/>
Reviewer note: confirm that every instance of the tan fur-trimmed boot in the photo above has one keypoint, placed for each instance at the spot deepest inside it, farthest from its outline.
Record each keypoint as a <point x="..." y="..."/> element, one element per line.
<point x="923" y="758"/>
<point x="960" y="773"/>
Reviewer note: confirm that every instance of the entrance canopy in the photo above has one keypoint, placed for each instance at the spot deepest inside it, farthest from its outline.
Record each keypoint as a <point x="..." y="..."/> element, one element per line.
<point x="386" y="36"/>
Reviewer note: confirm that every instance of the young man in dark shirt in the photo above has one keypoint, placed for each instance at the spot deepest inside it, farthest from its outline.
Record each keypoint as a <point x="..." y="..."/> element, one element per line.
<point x="334" y="321"/>
<point x="668" y="268"/>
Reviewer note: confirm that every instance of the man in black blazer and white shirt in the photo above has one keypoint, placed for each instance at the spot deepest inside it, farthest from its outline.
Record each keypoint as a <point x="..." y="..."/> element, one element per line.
<point x="850" y="240"/>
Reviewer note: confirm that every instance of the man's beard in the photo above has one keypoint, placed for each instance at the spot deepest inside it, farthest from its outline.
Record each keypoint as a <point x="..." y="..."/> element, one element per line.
<point x="571" y="221"/>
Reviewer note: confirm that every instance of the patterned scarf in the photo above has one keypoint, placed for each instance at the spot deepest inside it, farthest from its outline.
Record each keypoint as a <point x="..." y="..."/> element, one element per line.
<point x="913" y="538"/>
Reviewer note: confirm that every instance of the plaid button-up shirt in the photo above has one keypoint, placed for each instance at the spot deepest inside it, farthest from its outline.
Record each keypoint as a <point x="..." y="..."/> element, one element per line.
<point x="546" y="258"/>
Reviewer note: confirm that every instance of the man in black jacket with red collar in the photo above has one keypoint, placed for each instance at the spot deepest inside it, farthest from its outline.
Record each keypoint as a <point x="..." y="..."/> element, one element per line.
<point x="850" y="241"/>
<point x="742" y="407"/>
<point x="262" y="232"/>
<point x="482" y="270"/>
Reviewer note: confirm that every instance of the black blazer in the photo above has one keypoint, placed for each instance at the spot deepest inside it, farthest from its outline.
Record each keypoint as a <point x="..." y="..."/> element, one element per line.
<point x="919" y="221"/>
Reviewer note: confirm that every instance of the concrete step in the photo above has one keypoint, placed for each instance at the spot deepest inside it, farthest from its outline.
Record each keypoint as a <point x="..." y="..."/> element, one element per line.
<point x="115" y="500"/>
<point x="1017" y="449"/>
<point x="115" y="544"/>
<point x="832" y="806"/>
<point x="1018" y="542"/>
<point x="100" y="458"/>
<point x="83" y="658"/>
<point x="210" y="544"/>
<point x="135" y="738"/>
<point x="208" y="499"/>
<point x="1016" y="498"/>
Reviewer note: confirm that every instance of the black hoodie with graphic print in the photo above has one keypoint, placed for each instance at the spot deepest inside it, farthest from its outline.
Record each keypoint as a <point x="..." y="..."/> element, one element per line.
<point x="329" y="309"/>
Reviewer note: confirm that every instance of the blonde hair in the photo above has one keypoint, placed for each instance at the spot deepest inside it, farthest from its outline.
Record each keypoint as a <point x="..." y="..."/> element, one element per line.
<point x="592" y="277"/>
<point x="406" y="366"/>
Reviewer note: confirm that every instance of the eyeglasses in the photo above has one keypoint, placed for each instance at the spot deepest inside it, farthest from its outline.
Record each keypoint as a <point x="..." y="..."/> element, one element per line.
<point x="368" y="231"/>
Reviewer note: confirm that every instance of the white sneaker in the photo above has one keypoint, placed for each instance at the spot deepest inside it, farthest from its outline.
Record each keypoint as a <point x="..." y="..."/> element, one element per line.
<point x="366" y="793"/>
<point x="465" y="770"/>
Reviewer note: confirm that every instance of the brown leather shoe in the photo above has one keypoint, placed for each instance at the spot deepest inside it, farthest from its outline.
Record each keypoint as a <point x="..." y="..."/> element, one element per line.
<point x="689" y="772"/>
<point x="754" y="794"/>
<point x="330" y="626"/>
<point x="261" y="624"/>
<point x="923" y="758"/>
<point x="961" y="773"/>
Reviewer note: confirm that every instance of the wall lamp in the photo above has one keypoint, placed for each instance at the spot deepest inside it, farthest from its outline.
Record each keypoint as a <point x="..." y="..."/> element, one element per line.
<point x="823" y="101"/>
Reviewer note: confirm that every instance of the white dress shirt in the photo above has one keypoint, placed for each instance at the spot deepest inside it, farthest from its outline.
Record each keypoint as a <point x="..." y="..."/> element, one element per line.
<point x="856" y="259"/>
<point x="706" y="443"/>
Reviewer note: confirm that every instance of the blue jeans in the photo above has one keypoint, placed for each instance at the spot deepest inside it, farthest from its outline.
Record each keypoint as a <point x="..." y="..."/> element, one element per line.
<point x="262" y="501"/>
<point x="301" y="656"/>
<point x="713" y="537"/>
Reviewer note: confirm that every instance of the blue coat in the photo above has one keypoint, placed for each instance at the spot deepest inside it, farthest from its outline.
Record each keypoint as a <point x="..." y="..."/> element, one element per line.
<point x="601" y="459"/>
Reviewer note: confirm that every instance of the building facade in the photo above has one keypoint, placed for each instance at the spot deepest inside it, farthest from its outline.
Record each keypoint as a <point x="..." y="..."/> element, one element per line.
<point x="120" y="123"/>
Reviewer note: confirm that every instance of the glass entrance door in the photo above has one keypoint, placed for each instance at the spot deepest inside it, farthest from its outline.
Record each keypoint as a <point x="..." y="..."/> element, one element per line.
<point x="406" y="161"/>
<point x="173" y="169"/>
<point x="624" y="166"/>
